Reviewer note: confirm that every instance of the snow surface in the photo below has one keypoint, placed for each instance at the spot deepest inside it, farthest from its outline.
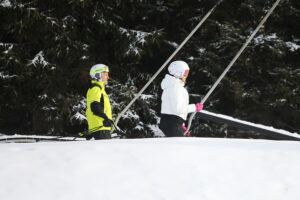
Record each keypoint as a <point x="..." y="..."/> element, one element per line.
<point x="157" y="168"/>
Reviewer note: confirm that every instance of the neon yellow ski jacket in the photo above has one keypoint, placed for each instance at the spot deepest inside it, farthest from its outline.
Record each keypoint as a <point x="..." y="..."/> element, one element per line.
<point x="98" y="107"/>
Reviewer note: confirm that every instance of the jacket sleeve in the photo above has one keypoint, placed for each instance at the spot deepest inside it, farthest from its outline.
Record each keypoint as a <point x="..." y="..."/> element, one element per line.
<point x="191" y="108"/>
<point x="180" y="104"/>
<point x="97" y="107"/>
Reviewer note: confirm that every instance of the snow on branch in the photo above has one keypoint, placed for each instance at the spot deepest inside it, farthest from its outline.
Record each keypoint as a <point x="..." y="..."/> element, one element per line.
<point x="39" y="60"/>
<point x="261" y="39"/>
<point x="138" y="35"/>
<point x="79" y="110"/>
<point x="292" y="46"/>
<point x="8" y="46"/>
<point x="138" y="39"/>
<point x="79" y="117"/>
<point x="6" y="3"/>
<point x="6" y="76"/>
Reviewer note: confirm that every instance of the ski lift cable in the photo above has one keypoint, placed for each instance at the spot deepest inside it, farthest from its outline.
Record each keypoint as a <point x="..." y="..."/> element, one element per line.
<point x="232" y="62"/>
<point x="166" y="62"/>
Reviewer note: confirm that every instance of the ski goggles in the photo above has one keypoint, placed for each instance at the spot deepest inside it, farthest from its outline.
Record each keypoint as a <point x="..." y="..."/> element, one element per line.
<point x="186" y="73"/>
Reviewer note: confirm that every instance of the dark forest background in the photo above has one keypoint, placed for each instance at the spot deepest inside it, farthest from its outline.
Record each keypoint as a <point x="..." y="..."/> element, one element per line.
<point x="48" y="47"/>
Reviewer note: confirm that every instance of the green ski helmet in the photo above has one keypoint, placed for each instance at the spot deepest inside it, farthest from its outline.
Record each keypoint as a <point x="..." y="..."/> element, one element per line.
<point x="96" y="71"/>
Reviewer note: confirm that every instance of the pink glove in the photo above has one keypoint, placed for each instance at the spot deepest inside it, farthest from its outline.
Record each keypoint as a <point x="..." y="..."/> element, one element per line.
<point x="199" y="107"/>
<point x="184" y="128"/>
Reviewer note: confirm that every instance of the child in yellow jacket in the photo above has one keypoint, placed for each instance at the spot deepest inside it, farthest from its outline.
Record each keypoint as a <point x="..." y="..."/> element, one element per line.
<point x="99" y="113"/>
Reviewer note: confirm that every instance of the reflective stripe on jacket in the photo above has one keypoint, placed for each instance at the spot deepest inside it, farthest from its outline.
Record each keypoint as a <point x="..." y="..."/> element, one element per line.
<point x="96" y="95"/>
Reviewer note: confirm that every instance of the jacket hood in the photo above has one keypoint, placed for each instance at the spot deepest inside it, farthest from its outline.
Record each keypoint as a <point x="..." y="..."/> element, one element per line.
<point x="169" y="81"/>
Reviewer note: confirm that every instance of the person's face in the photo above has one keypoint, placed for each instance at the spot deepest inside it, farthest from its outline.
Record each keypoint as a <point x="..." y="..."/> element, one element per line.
<point x="186" y="74"/>
<point x="104" y="77"/>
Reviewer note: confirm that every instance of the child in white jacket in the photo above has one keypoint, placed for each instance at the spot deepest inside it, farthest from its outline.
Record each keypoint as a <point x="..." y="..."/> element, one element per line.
<point x="175" y="100"/>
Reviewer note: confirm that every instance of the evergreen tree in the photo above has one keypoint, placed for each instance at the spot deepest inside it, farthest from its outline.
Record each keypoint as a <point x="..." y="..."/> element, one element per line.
<point x="48" y="47"/>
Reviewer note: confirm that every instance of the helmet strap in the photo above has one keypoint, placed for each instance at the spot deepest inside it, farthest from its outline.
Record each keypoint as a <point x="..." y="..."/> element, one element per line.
<point x="98" y="77"/>
<point x="174" y="76"/>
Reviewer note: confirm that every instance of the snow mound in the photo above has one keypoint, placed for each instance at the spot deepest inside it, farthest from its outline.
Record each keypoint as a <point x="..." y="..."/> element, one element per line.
<point x="164" y="168"/>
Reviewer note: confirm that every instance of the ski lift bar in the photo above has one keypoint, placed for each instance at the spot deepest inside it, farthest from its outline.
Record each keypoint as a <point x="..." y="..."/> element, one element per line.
<point x="266" y="130"/>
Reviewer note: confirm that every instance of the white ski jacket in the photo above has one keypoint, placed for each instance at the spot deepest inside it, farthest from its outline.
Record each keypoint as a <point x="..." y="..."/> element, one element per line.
<point x="175" y="98"/>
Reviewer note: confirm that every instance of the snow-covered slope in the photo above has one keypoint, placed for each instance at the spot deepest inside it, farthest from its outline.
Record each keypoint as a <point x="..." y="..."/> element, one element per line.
<point x="164" y="168"/>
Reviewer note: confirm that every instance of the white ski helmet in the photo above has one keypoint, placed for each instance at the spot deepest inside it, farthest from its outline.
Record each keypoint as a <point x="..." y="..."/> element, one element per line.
<point x="96" y="71"/>
<point x="178" y="68"/>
